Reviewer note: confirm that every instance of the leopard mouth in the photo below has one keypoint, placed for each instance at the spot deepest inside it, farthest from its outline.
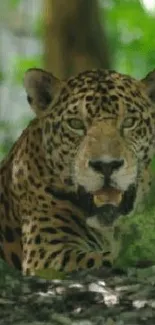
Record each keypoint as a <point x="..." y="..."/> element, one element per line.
<point x="107" y="195"/>
<point x="108" y="203"/>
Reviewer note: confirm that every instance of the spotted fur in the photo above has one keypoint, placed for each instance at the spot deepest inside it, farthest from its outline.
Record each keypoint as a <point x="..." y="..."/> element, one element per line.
<point x="91" y="132"/>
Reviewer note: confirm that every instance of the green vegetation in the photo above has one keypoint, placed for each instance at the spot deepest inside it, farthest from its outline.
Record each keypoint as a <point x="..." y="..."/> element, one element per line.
<point x="130" y="34"/>
<point x="138" y="236"/>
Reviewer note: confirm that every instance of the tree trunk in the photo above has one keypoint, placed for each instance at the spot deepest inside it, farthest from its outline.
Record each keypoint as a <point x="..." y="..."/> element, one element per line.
<point x="74" y="39"/>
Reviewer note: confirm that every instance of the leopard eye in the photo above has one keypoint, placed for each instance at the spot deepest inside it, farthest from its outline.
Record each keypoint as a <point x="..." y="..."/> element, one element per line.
<point x="77" y="126"/>
<point x="129" y="122"/>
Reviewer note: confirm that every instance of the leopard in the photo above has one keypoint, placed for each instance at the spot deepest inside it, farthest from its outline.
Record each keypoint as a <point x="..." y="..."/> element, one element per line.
<point x="81" y="165"/>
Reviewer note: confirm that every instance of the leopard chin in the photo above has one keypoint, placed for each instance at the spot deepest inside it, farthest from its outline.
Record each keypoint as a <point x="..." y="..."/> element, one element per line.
<point x="104" y="218"/>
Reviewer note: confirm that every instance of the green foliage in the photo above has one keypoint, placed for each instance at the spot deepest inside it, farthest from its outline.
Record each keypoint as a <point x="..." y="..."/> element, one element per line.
<point x="6" y="130"/>
<point x="1" y="76"/>
<point x="20" y="65"/>
<point x="14" y="3"/>
<point x="5" y="145"/>
<point x="138" y="240"/>
<point x="137" y="234"/>
<point x="153" y="165"/>
<point x="130" y="31"/>
<point x="16" y="23"/>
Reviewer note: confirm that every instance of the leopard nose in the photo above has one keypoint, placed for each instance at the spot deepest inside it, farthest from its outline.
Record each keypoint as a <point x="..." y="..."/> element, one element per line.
<point x="106" y="168"/>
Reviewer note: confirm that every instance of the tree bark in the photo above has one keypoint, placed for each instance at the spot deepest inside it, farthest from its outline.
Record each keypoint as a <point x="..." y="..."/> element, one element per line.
<point x="74" y="38"/>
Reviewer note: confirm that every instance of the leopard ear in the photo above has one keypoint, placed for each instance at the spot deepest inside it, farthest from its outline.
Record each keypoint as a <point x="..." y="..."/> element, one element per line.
<point x="149" y="82"/>
<point x="42" y="88"/>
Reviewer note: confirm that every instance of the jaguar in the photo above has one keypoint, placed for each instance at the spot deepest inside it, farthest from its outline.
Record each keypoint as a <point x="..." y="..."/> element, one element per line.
<point x="81" y="165"/>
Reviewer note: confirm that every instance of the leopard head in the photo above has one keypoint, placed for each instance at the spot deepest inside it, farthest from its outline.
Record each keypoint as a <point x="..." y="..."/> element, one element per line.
<point x="98" y="138"/>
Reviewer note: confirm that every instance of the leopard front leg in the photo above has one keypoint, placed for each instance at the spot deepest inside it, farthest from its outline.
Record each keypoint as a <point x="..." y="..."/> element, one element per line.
<point x="62" y="242"/>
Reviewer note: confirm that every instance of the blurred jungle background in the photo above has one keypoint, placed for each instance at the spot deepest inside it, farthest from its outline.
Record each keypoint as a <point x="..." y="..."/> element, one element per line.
<point x="65" y="37"/>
